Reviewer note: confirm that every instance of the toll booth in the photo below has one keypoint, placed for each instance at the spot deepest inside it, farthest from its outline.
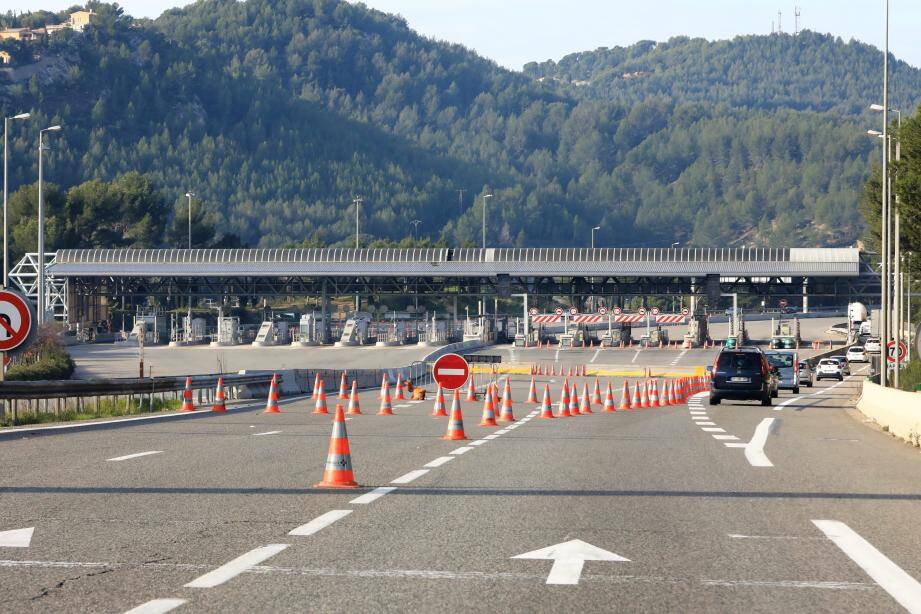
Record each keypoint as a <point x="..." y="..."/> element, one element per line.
<point x="151" y="325"/>
<point x="309" y="330"/>
<point x="355" y="331"/>
<point x="698" y="331"/>
<point x="271" y="333"/>
<point x="435" y="332"/>
<point x="480" y="329"/>
<point x="228" y="332"/>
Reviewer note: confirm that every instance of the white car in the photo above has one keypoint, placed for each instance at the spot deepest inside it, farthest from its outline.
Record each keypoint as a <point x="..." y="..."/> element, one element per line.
<point x="856" y="353"/>
<point x="872" y="345"/>
<point x="829" y="368"/>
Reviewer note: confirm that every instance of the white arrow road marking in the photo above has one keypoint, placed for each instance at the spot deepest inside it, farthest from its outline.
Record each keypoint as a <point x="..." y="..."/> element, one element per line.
<point x="892" y="578"/>
<point x="568" y="559"/>
<point x="157" y="606"/>
<point x="17" y="538"/>
<point x="754" y="451"/>
<point x="234" y="568"/>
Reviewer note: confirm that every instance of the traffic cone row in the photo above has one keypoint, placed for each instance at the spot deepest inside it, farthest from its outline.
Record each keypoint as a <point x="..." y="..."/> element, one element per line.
<point x="354" y="407"/>
<point x="439" y="410"/>
<point x="271" y="404"/>
<point x="219" y="405"/>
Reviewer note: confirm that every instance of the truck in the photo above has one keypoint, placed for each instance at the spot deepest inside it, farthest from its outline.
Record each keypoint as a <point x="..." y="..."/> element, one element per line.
<point x="858" y="320"/>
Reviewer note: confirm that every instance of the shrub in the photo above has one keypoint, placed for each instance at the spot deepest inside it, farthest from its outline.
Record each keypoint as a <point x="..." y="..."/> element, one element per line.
<point x="45" y="359"/>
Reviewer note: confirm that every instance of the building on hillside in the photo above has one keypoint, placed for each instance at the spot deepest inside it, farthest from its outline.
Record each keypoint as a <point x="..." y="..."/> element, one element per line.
<point x="22" y="34"/>
<point x="81" y="19"/>
<point x="54" y="28"/>
<point x="5" y="58"/>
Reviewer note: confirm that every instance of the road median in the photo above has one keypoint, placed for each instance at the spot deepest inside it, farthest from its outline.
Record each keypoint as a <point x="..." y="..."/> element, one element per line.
<point x="896" y="411"/>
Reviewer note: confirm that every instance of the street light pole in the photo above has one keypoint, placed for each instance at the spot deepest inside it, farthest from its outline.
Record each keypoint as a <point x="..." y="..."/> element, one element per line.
<point x="485" y="196"/>
<point x="189" y="195"/>
<point x="415" y="224"/>
<point x="357" y="202"/>
<point x="593" y="235"/>
<point x="6" y="253"/>
<point x="41" y="224"/>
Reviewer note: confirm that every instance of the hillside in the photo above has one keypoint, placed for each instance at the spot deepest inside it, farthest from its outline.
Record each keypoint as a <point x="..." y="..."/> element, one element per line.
<point x="806" y="72"/>
<point x="277" y="113"/>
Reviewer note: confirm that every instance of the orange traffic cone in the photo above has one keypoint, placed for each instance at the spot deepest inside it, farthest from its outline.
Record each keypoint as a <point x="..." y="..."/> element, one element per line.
<point x="439" y="410"/>
<point x="672" y="397"/>
<point x="636" y="401"/>
<point x="316" y="388"/>
<point x="489" y="409"/>
<point x="338" y="472"/>
<point x="564" y="401"/>
<point x="546" y="409"/>
<point x="271" y="404"/>
<point x="625" y="397"/>
<point x="456" y="422"/>
<point x="644" y="395"/>
<point x="532" y="392"/>
<point x="187" y="404"/>
<point x="574" y="400"/>
<point x="384" y="384"/>
<point x="386" y="407"/>
<point x="585" y="407"/>
<point x="320" y="407"/>
<point x="654" y="393"/>
<point x="609" y="398"/>
<point x="219" y="405"/>
<point x="354" y="407"/>
<point x="507" y="415"/>
<point x="540" y="369"/>
<point x="471" y="389"/>
<point x="596" y="396"/>
<point x="343" y="391"/>
<point x="398" y="389"/>
<point x="553" y="369"/>
<point x="663" y="398"/>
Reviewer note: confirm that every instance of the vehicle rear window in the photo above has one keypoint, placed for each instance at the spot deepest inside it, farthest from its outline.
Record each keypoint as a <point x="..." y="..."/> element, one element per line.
<point x="780" y="360"/>
<point x="738" y="361"/>
<point x="828" y="361"/>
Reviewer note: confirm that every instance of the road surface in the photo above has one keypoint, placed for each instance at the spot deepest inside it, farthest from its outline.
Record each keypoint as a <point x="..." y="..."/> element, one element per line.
<point x="813" y="510"/>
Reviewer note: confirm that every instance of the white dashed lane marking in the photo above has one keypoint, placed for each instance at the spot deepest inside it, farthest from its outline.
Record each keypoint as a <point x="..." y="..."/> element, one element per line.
<point x="438" y="462"/>
<point x="372" y="496"/>
<point x="406" y="478"/>
<point x="157" y="606"/>
<point x="320" y="522"/>
<point x="130" y="456"/>
<point x="234" y="568"/>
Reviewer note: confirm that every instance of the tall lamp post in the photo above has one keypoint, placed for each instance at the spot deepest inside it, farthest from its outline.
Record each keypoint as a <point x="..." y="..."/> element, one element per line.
<point x="6" y="155"/>
<point x="415" y="224"/>
<point x="593" y="235"/>
<point x="357" y="202"/>
<point x="41" y="223"/>
<point x="485" y="196"/>
<point x="190" y="196"/>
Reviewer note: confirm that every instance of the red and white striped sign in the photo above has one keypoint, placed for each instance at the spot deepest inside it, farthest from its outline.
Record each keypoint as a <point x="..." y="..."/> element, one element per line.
<point x="586" y="318"/>
<point x="629" y="318"/>
<point x="545" y="318"/>
<point x="670" y="318"/>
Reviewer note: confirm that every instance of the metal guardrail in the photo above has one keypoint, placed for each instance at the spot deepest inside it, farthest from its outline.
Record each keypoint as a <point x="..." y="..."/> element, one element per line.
<point x="57" y="389"/>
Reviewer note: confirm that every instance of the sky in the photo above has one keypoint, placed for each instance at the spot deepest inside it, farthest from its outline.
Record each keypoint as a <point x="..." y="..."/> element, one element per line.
<point x="514" y="32"/>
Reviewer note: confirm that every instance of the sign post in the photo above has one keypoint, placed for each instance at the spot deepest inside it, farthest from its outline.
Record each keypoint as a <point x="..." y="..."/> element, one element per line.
<point x="17" y="324"/>
<point x="451" y="371"/>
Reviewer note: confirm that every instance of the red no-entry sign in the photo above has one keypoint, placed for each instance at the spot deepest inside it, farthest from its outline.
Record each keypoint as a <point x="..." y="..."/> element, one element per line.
<point x="16" y="320"/>
<point x="451" y="371"/>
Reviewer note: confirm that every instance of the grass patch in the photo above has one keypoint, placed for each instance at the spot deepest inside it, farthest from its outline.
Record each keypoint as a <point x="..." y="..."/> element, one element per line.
<point x="107" y="409"/>
<point x="910" y="376"/>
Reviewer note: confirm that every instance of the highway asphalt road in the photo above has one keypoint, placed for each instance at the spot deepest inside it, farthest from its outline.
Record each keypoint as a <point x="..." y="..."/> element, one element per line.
<point x="814" y="512"/>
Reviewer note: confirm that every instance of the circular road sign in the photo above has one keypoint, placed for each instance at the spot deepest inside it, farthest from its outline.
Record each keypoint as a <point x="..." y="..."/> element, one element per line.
<point x="573" y="311"/>
<point x="451" y="371"/>
<point x="558" y="311"/>
<point x="617" y="311"/>
<point x="685" y="311"/>
<point x="655" y="311"/>
<point x="891" y="355"/>
<point x="641" y="311"/>
<point x="533" y="311"/>
<point x="603" y="311"/>
<point x="782" y="302"/>
<point x="17" y="318"/>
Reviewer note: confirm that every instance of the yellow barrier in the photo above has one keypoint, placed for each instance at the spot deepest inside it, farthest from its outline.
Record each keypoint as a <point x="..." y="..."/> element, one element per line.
<point x="507" y="369"/>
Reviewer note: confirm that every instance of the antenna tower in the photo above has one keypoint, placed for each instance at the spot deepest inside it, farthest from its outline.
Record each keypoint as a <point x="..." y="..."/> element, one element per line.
<point x="796" y="15"/>
<point x="779" y="26"/>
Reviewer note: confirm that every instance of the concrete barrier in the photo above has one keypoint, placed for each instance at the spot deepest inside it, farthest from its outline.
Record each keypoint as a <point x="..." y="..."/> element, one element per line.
<point x="897" y="411"/>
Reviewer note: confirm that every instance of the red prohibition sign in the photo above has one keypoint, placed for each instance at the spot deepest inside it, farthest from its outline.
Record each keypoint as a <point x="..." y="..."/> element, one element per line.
<point x="451" y="371"/>
<point x="15" y="320"/>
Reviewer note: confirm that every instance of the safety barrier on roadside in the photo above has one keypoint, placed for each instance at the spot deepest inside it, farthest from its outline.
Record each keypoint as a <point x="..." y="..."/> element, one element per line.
<point x="588" y="371"/>
<point x="896" y="411"/>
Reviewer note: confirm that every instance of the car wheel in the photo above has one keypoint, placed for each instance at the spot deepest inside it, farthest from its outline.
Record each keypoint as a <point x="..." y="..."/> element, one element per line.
<point x="715" y="400"/>
<point x="775" y="394"/>
<point x="808" y="384"/>
<point x="766" y="401"/>
<point x="840" y="378"/>
<point x="796" y="390"/>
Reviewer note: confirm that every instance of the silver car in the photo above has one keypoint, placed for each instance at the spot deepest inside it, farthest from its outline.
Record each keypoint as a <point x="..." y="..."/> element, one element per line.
<point x="806" y="375"/>
<point x="787" y="368"/>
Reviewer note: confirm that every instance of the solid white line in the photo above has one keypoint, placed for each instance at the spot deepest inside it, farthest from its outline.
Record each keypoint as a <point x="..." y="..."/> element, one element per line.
<point x="595" y="356"/>
<point x="266" y="433"/>
<point x="787" y="402"/>
<point x="320" y="522"/>
<point x="711" y="429"/>
<point x="502" y="432"/>
<point x="754" y="451"/>
<point x="374" y="495"/>
<point x="406" y="478"/>
<point x="461" y="450"/>
<point x="892" y="578"/>
<point x="438" y="462"/>
<point x="157" y="606"/>
<point x="232" y="569"/>
<point x="635" y="356"/>
<point x="138" y="455"/>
